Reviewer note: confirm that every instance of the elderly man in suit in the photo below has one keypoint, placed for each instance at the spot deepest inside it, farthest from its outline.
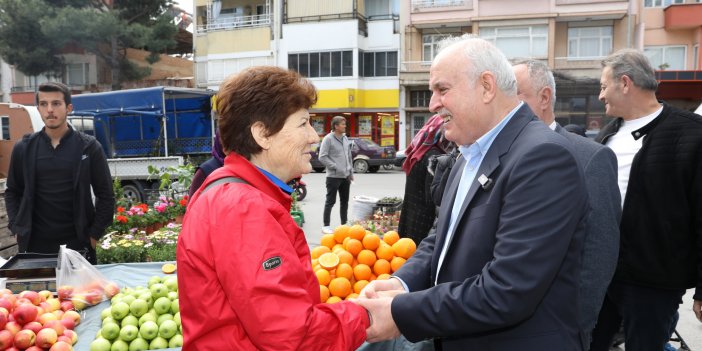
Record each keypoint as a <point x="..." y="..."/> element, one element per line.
<point x="537" y="88"/>
<point x="500" y="272"/>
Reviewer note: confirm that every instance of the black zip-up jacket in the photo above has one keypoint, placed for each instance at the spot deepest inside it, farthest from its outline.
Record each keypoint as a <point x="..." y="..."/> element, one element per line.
<point x="661" y="226"/>
<point x="90" y="220"/>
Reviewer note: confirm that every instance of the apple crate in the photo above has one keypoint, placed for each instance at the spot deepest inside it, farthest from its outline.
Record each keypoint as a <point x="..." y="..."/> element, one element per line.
<point x="30" y="271"/>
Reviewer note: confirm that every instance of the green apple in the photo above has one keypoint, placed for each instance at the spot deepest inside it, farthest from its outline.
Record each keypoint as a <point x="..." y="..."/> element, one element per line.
<point x="100" y="344"/>
<point x="153" y="280"/>
<point x="148" y="330"/>
<point x="176" y="341"/>
<point x="147" y="317"/>
<point x="167" y="329"/>
<point x="119" y="345"/>
<point x="162" y="305"/>
<point x="146" y="296"/>
<point x="171" y="283"/>
<point x="138" y="307"/>
<point x="158" y="290"/>
<point x="105" y="313"/>
<point x="128" y="299"/>
<point x="110" y="331"/>
<point x="138" y="344"/>
<point x="109" y="320"/>
<point x="158" y="343"/>
<point x="175" y="306"/>
<point x="176" y="318"/>
<point x="172" y="295"/>
<point x="130" y="320"/>
<point x="164" y="317"/>
<point x="128" y="333"/>
<point x="120" y="310"/>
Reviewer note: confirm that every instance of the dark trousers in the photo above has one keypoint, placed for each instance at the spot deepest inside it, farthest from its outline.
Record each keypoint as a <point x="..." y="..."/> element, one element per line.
<point x="647" y="315"/>
<point x="53" y="246"/>
<point x="334" y="185"/>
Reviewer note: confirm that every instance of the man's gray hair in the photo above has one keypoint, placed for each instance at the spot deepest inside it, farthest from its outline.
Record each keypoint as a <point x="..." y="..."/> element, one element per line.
<point x="482" y="57"/>
<point x="540" y="76"/>
<point x="336" y="120"/>
<point x="635" y="65"/>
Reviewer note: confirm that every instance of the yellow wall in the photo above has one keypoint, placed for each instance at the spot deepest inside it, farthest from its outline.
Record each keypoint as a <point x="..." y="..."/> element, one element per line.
<point x="232" y="41"/>
<point x="357" y="98"/>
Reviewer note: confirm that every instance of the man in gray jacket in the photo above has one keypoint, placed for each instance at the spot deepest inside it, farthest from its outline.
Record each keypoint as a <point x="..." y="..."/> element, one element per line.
<point x="537" y="88"/>
<point x="335" y="154"/>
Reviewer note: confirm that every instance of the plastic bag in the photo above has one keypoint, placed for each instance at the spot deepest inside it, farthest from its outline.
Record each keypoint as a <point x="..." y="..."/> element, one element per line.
<point x="79" y="282"/>
<point x="362" y="207"/>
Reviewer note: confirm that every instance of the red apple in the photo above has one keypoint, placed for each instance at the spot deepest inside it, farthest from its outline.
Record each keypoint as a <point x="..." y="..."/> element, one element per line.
<point x="12" y="349"/>
<point x="111" y="289"/>
<point x="65" y="339"/>
<point x="34" y="348"/>
<point x="79" y="301"/>
<point x="67" y="305"/>
<point x="68" y="322"/>
<point x="7" y="339"/>
<point x="25" y="313"/>
<point x="24" y="339"/>
<point x="65" y="292"/>
<point x="58" y="314"/>
<point x="72" y="335"/>
<point x="73" y="315"/>
<point x="56" y="325"/>
<point x="61" y="346"/>
<point x="12" y="298"/>
<point x="93" y="296"/>
<point x="46" y="337"/>
<point x="47" y="316"/>
<point x="46" y="294"/>
<point x="13" y="327"/>
<point x="3" y="318"/>
<point x="33" y="326"/>
<point x="6" y="303"/>
<point x="32" y="296"/>
<point x="23" y="301"/>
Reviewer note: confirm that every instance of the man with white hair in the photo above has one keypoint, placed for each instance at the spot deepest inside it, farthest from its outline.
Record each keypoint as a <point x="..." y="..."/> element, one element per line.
<point x="500" y="271"/>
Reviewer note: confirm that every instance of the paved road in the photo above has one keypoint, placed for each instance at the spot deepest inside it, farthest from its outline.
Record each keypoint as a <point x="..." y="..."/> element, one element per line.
<point x="392" y="183"/>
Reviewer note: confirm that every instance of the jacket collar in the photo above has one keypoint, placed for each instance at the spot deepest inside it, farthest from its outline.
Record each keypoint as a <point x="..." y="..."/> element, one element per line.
<point x="613" y="127"/>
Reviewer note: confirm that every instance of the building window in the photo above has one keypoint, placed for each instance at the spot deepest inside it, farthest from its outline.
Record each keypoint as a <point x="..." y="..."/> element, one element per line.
<point x="514" y="42"/>
<point x="666" y="57"/>
<point x="662" y="3"/>
<point x="377" y="64"/>
<point x="5" y="127"/>
<point x="430" y="45"/>
<point x="696" y="64"/>
<point x="420" y="98"/>
<point x="418" y="121"/>
<point x="77" y="74"/>
<point x="322" y="64"/>
<point x="589" y="42"/>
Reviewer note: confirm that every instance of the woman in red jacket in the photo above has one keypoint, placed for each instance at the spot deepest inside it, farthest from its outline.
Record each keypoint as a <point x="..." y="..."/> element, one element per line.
<point x="244" y="269"/>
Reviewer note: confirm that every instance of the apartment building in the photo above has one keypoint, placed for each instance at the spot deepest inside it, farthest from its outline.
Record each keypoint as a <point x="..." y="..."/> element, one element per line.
<point x="349" y="49"/>
<point x="572" y="36"/>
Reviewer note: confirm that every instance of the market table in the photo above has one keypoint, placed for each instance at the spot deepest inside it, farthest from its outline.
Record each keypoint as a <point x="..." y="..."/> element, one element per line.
<point x="135" y="274"/>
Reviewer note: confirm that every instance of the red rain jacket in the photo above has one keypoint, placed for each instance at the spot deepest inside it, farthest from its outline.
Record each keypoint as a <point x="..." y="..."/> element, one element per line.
<point x="245" y="276"/>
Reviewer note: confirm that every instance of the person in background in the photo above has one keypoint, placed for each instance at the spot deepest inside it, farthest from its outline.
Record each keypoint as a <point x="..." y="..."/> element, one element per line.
<point x="575" y="129"/>
<point x="658" y="148"/>
<point x="244" y="267"/>
<point x="537" y="88"/>
<point x="500" y="270"/>
<point x="335" y="154"/>
<point x="207" y="167"/>
<point x="418" y="210"/>
<point x="52" y="171"/>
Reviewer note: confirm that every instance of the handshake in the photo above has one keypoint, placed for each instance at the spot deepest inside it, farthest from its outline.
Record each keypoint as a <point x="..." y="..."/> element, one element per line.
<point x="376" y="298"/>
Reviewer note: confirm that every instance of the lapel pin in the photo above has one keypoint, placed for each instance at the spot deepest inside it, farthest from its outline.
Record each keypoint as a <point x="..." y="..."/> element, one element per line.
<point x="485" y="182"/>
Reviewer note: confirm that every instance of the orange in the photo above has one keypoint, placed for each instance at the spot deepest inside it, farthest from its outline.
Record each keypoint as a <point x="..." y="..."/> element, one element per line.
<point x="396" y="263"/>
<point x="323" y="276"/>
<point x="333" y="299"/>
<point x="340" y="287"/>
<point x="404" y="248"/>
<point x="366" y="257"/>
<point x="323" y="293"/>
<point x="328" y="260"/>
<point x="340" y="233"/>
<point x="391" y="237"/>
<point x="385" y="252"/>
<point x="383" y="277"/>
<point x="357" y="232"/>
<point x="362" y="272"/>
<point x="314" y="262"/>
<point x="371" y="241"/>
<point x="352" y="296"/>
<point x="359" y="285"/>
<point x="344" y="270"/>
<point x="346" y="239"/>
<point x="344" y="257"/>
<point x="353" y="246"/>
<point x="381" y="267"/>
<point x="328" y="240"/>
<point x="318" y="251"/>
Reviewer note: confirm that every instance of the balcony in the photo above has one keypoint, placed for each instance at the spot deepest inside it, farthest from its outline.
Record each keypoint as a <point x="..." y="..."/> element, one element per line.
<point x="230" y="23"/>
<point x="683" y="16"/>
<point x="414" y="73"/>
<point x="415" y="66"/>
<point x="682" y="85"/>
<point x="418" y="5"/>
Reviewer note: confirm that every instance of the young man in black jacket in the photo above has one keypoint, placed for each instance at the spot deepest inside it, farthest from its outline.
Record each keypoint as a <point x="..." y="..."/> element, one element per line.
<point x="48" y="196"/>
<point x="658" y="150"/>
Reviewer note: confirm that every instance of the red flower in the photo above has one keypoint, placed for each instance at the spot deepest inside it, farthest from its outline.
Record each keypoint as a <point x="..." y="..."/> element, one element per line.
<point x="144" y="207"/>
<point x="120" y="209"/>
<point x="122" y="219"/>
<point x="184" y="201"/>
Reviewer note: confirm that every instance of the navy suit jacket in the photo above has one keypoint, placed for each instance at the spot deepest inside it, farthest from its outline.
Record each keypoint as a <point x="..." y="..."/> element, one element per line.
<point x="509" y="277"/>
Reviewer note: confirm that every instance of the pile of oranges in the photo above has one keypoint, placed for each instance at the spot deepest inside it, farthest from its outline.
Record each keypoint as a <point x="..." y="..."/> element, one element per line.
<point x="351" y="257"/>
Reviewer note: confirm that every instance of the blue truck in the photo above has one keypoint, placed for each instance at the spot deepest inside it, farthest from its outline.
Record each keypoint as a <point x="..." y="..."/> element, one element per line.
<point x="159" y="126"/>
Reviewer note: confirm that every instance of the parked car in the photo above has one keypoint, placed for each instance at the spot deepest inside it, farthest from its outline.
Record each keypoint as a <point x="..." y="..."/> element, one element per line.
<point x="400" y="158"/>
<point x="367" y="156"/>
